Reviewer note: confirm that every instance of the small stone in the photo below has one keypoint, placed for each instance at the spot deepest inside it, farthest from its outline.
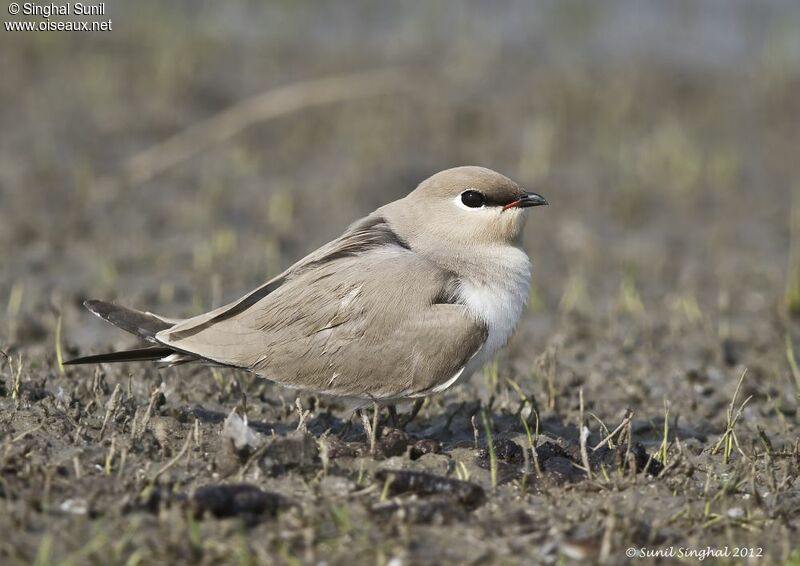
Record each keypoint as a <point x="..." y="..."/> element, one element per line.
<point x="735" y="513"/>
<point x="424" y="446"/>
<point x="243" y="438"/>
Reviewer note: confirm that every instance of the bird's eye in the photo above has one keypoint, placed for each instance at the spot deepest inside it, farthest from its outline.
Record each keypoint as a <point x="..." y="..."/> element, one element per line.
<point x="472" y="199"/>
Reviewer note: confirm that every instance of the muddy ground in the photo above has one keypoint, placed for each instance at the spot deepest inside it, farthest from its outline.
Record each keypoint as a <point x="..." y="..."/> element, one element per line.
<point x="665" y="275"/>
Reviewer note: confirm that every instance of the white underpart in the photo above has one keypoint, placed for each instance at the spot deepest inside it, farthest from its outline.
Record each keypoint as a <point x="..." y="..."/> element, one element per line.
<point x="497" y="300"/>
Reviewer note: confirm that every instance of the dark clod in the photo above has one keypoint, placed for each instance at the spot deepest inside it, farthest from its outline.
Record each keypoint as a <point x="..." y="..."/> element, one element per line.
<point x="562" y="470"/>
<point x="424" y="446"/>
<point x="393" y="442"/>
<point x="506" y="451"/>
<point x="337" y="448"/>
<point x="235" y="500"/>
<point x="548" y="450"/>
<point x="638" y="459"/>
<point x="468" y="494"/>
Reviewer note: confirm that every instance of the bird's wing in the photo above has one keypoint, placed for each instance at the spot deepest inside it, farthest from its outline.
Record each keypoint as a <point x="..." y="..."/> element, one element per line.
<point x="366" y="234"/>
<point x="380" y="323"/>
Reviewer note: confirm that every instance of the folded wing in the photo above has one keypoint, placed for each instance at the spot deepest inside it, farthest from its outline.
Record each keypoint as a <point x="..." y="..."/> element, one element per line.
<point x="364" y="317"/>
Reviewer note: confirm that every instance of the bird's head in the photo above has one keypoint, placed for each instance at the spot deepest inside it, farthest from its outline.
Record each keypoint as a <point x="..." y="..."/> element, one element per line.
<point x="464" y="206"/>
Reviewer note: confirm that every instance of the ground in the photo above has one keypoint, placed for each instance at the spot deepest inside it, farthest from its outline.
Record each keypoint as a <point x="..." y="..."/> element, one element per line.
<point x="665" y="299"/>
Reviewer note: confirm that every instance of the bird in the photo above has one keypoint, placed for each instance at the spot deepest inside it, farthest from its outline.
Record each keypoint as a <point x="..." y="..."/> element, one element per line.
<point x="408" y="301"/>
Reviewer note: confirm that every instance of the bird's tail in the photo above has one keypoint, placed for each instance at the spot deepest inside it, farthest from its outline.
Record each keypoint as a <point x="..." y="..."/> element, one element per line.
<point x="153" y="353"/>
<point x="142" y="324"/>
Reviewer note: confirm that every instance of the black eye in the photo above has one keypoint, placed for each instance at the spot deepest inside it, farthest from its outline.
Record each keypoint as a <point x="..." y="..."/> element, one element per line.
<point x="472" y="199"/>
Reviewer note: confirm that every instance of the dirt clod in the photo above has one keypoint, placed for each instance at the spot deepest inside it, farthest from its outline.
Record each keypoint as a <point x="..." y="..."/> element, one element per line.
<point x="424" y="446"/>
<point x="393" y="442"/>
<point x="506" y="451"/>
<point x="561" y="470"/>
<point x="468" y="494"/>
<point x="294" y="451"/>
<point x="235" y="500"/>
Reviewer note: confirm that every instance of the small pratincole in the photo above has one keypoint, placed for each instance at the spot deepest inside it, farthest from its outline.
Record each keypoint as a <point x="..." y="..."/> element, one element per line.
<point x="408" y="301"/>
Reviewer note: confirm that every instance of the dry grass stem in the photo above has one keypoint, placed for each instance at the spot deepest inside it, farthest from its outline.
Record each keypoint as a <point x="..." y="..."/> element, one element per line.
<point x="260" y="108"/>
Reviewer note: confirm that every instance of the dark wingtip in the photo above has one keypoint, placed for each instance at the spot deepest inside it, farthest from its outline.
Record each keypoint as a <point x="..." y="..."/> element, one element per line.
<point x="151" y="353"/>
<point x="100" y="308"/>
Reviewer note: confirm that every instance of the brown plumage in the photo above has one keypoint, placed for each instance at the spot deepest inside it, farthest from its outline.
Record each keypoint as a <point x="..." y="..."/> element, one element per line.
<point x="406" y="301"/>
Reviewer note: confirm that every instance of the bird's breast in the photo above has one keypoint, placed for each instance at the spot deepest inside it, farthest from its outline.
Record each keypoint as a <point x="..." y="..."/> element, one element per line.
<point x="496" y="296"/>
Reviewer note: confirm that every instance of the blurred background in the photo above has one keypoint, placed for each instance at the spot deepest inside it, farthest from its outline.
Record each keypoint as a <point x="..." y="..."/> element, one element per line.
<point x="664" y="134"/>
<point x="199" y="148"/>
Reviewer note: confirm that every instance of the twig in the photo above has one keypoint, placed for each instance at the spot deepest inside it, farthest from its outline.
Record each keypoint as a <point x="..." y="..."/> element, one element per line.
<point x="254" y="457"/>
<point x="303" y="414"/>
<point x="674" y="462"/>
<point x="368" y="429"/>
<point x="176" y="459"/>
<point x="136" y="433"/>
<point x="613" y="433"/>
<point x="111" y="408"/>
<point x="262" y="107"/>
<point x="532" y="444"/>
<point x="16" y="389"/>
<point x="25" y="433"/>
<point x="59" y="353"/>
<point x="584" y="436"/>
<point x="792" y="363"/>
<point x="728" y="439"/>
<point x="606" y="541"/>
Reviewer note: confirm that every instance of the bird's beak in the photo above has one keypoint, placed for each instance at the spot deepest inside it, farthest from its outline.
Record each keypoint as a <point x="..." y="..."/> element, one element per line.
<point x="527" y="200"/>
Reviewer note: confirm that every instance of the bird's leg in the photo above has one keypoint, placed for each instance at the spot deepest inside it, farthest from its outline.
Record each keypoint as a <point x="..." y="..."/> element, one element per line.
<point x="347" y="426"/>
<point x="452" y="416"/>
<point x="413" y="414"/>
<point x="376" y="412"/>
<point x="393" y="418"/>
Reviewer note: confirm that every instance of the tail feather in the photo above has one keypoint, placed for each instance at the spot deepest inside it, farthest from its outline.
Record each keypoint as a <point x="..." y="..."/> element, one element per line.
<point x="139" y="355"/>
<point x="142" y="324"/>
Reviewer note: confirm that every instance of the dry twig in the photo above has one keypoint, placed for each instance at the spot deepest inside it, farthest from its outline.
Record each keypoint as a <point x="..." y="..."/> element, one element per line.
<point x="260" y="108"/>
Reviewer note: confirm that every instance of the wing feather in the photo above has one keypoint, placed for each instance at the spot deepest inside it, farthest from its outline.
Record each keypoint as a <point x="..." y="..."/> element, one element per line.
<point x="368" y="233"/>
